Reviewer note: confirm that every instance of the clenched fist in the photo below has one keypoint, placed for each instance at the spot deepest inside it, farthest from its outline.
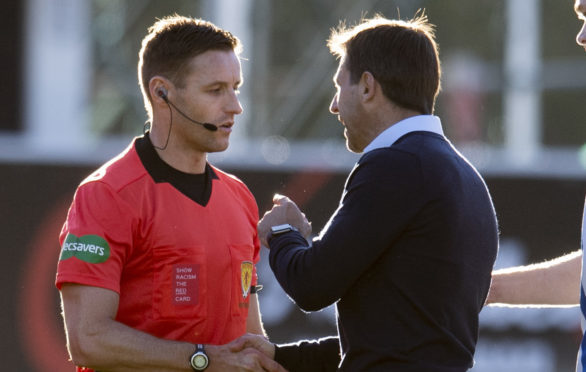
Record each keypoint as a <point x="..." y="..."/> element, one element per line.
<point x="284" y="211"/>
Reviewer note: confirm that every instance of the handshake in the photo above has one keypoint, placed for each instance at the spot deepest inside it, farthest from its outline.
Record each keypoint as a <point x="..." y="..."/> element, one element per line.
<point x="250" y="352"/>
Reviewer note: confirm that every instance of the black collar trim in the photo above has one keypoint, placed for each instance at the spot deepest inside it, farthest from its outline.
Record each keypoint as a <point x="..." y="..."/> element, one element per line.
<point x="197" y="187"/>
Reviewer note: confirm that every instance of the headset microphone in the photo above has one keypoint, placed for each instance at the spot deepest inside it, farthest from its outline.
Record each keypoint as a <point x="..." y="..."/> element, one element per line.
<point x="163" y="94"/>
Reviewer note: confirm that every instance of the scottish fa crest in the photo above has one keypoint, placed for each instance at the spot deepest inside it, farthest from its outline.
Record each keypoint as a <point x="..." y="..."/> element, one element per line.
<point x="245" y="277"/>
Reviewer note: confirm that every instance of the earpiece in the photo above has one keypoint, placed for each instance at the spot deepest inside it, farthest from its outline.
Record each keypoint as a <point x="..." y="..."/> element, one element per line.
<point x="162" y="92"/>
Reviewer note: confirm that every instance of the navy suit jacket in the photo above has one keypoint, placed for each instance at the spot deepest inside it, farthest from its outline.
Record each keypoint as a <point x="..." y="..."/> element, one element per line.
<point x="407" y="258"/>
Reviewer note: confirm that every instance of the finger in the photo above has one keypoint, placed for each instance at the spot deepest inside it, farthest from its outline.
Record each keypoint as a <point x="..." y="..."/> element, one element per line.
<point x="237" y="345"/>
<point x="270" y="365"/>
<point x="280" y="199"/>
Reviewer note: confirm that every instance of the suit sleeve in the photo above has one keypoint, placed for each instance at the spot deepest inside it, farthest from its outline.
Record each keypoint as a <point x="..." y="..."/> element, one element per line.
<point x="321" y="355"/>
<point x="382" y="196"/>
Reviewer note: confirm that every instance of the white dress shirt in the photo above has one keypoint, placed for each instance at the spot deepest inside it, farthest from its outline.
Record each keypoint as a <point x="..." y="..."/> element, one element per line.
<point x="428" y="123"/>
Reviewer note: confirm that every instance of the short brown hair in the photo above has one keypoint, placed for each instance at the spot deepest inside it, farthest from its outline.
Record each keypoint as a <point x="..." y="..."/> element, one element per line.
<point x="171" y="43"/>
<point x="401" y="55"/>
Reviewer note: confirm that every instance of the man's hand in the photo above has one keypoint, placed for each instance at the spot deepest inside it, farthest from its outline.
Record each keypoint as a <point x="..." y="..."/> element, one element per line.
<point x="284" y="211"/>
<point x="240" y="355"/>
<point x="255" y="341"/>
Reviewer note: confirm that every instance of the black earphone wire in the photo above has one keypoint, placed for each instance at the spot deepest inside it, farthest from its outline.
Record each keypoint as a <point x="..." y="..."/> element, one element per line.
<point x="169" y="132"/>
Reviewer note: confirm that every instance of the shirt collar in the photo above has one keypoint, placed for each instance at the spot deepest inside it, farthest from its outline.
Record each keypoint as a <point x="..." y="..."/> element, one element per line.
<point x="427" y="123"/>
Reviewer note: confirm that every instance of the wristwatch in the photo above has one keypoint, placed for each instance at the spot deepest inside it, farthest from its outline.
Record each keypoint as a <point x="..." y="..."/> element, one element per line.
<point x="281" y="229"/>
<point x="199" y="360"/>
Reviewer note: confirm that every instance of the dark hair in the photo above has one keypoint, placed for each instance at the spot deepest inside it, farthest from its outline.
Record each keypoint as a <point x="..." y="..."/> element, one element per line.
<point x="401" y="55"/>
<point x="171" y="43"/>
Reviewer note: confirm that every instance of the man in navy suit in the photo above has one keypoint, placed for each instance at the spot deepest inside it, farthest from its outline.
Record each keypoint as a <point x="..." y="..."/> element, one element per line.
<point x="408" y="254"/>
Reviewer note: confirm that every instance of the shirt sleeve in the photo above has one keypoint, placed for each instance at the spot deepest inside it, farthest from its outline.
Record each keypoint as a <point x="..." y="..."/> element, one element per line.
<point x="381" y="197"/>
<point x="95" y="238"/>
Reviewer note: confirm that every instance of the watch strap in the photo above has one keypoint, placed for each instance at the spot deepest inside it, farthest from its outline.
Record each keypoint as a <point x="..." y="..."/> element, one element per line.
<point x="255" y="288"/>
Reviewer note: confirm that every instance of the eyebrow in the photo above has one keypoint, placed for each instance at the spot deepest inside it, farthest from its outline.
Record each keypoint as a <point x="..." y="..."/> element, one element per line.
<point x="223" y="83"/>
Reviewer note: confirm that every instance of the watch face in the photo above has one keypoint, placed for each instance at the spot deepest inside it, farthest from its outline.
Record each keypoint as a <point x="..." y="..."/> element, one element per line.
<point x="200" y="361"/>
<point x="281" y="228"/>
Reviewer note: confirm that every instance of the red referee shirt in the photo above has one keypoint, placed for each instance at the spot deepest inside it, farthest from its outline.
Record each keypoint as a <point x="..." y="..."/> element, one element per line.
<point x="183" y="270"/>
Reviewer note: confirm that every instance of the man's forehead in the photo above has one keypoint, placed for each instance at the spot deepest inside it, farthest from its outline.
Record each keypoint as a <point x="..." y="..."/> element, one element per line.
<point x="339" y="76"/>
<point x="580" y="7"/>
<point x="217" y="67"/>
<point x="337" y="73"/>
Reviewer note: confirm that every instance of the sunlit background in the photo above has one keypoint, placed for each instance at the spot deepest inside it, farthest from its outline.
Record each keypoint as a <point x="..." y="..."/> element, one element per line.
<point x="513" y="101"/>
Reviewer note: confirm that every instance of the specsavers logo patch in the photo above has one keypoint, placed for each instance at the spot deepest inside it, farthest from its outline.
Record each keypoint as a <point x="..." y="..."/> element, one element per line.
<point x="88" y="248"/>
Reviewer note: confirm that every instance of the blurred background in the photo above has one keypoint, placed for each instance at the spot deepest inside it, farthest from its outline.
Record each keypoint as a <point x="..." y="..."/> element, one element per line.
<point x="513" y="101"/>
